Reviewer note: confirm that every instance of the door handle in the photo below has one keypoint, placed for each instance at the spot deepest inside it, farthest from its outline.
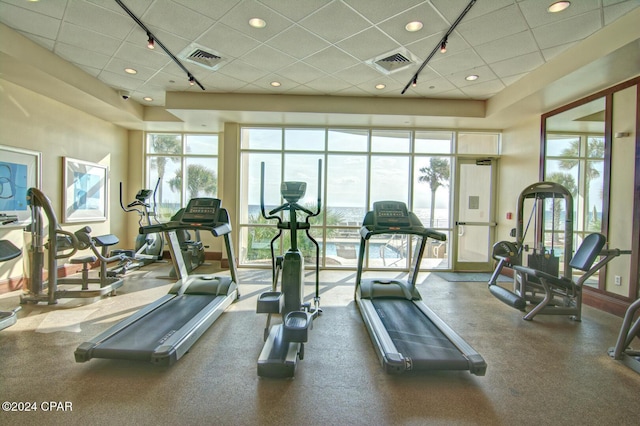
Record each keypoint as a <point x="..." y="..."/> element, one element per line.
<point x="461" y="223"/>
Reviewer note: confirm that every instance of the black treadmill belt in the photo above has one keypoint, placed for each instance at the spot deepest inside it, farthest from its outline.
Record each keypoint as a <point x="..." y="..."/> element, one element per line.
<point x="416" y="337"/>
<point x="141" y="338"/>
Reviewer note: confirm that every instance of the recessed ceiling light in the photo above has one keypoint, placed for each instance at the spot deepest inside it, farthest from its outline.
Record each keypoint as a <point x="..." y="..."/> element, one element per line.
<point x="380" y="86"/>
<point x="257" y="23"/>
<point x="147" y="98"/>
<point x="471" y="77"/>
<point x="130" y="71"/>
<point x="276" y="84"/>
<point x="558" y="6"/>
<point x="413" y="26"/>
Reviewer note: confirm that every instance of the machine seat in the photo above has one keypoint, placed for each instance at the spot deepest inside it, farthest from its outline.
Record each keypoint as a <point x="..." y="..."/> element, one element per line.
<point x="84" y="259"/>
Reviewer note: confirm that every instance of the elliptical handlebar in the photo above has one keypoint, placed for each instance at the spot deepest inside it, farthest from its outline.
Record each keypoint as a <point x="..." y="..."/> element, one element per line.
<point x="291" y="206"/>
<point x="132" y="207"/>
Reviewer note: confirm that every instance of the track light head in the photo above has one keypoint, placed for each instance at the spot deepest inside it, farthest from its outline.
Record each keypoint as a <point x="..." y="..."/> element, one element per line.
<point x="192" y="80"/>
<point x="443" y="46"/>
<point x="414" y="83"/>
<point x="151" y="43"/>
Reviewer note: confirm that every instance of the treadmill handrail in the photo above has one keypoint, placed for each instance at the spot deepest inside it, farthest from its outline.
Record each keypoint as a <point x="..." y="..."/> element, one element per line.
<point x="368" y="231"/>
<point x="217" y="229"/>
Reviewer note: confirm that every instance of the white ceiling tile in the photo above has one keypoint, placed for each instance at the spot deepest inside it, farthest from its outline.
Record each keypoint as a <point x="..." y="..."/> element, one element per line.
<point x="219" y="9"/>
<point x="377" y="11"/>
<point x="267" y="58"/>
<point x="484" y="73"/>
<point x="98" y="19"/>
<point x="331" y="60"/>
<point x="572" y="29"/>
<point x="137" y="7"/>
<point x="301" y="72"/>
<point x="483" y="90"/>
<point x="492" y="26"/>
<point x="334" y="22"/>
<point x="239" y="16"/>
<point x="328" y="84"/>
<point x="450" y="63"/>
<point x="222" y="82"/>
<point x="84" y="38"/>
<point x="518" y="65"/>
<point x="536" y="14"/>
<point x="617" y="10"/>
<point x="176" y="19"/>
<point x="51" y="8"/>
<point x="297" y="42"/>
<point x="368" y="44"/>
<point x="242" y="71"/>
<point x="140" y="54"/>
<point x="556" y="50"/>
<point x="293" y="9"/>
<point x="29" y="22"/>
<point x="358" y="74"/>
<point x="432" y="24"/>
<point x="451" y="9"/>
<point x="80" y="56"/>
<point x="507" y="47"/>
<point x="227" y="41"/>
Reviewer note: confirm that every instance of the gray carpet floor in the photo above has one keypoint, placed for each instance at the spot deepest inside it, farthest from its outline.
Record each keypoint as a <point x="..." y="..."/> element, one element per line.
<point x="550" y="371"/>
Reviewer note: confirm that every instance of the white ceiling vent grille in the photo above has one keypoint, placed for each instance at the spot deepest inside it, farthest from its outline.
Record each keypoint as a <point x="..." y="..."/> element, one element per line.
<point x="393" y="61"/>
<point x="202" y="56"/>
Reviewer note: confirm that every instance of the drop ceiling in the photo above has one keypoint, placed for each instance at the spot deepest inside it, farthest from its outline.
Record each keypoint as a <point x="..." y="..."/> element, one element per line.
<point x="310" y="47"/>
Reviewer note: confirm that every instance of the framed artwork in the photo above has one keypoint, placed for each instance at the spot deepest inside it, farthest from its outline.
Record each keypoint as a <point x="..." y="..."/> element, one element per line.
<point x="19" y="171"/>
<point x="85" y="191"/>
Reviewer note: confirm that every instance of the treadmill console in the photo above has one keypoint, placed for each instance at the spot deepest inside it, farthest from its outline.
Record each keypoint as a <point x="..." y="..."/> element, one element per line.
<point x="391" y="214"/>
<point x="201" y="210"/>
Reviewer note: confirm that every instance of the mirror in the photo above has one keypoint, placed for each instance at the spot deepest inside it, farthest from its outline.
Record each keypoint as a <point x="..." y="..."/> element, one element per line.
<point x="575" y="158"/>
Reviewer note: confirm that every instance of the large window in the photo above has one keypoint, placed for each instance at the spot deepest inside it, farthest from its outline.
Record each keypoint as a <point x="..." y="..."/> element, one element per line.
<point x="359" y="167"/>
<point x="186" y="166"/>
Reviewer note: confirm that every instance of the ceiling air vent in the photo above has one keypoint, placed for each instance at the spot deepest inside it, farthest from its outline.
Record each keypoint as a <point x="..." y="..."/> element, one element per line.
<point x="393" y="61"/>
<point x="201" y="56"/>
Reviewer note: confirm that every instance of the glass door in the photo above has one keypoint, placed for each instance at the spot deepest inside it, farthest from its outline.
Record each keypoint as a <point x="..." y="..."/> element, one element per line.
<point x="474" y="212"/>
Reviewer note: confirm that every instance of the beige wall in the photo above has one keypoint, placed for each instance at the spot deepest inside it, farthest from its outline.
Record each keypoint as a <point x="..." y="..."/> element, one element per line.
<point x="34" y="122"/>
<point x="518" y="168"/>
<point x="622" y="172"/>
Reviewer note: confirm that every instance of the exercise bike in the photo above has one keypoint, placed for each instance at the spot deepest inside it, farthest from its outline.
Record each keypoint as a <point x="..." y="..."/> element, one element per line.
<point x="284" y="342"/>
<point x="148" y="248"/>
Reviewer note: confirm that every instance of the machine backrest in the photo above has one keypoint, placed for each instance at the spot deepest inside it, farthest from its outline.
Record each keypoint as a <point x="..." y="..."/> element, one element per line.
<point x="588" y="251"/>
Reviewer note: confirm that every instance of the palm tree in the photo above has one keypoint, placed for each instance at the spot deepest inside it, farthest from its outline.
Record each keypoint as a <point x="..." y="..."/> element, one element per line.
<point x="566" y="180"/>
<point x="595" y="150"/>
<point x="199" y="178"/>
<point x="436" y="175"/>
<point x="165" y="144"/>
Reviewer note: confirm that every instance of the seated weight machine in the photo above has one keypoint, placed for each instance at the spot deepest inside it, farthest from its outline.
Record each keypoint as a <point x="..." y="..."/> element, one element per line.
<point x="284" y="342"/>
<point x="510" y="254"/>
<point x="539" y="282"/>
<point x="60" y="244"/>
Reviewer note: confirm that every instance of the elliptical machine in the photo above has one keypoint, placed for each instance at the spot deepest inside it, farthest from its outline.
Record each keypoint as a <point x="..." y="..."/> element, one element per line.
<point x="284" y="342"/>
<point x="148" y="248"/>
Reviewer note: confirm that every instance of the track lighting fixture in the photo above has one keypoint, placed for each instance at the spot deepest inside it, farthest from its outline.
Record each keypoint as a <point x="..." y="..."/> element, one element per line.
<point x="442" y="46"/>
<point x="153" y="40"/>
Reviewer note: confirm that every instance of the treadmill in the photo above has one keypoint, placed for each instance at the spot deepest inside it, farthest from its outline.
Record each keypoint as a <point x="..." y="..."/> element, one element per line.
<point x="162" y="332"/>
<point x="407" y="335"/>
